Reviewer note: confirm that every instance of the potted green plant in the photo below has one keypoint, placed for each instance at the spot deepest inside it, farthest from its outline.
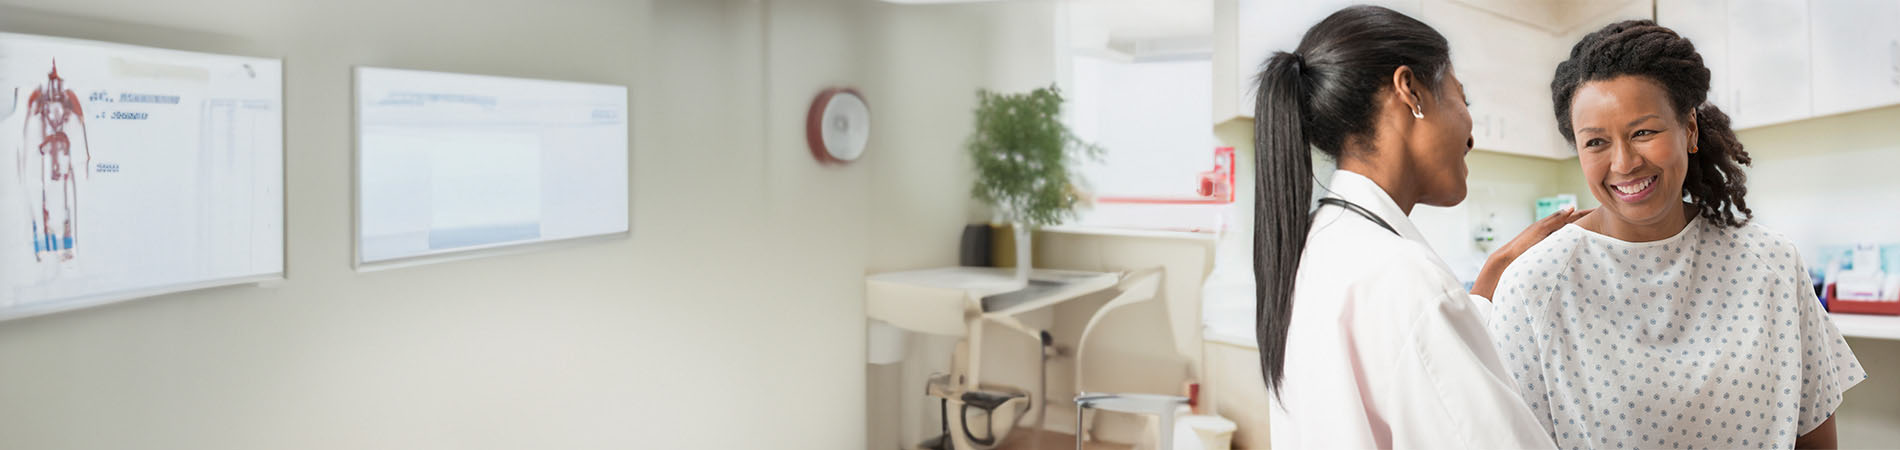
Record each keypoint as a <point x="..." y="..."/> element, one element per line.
<point x="1022" y="153"/>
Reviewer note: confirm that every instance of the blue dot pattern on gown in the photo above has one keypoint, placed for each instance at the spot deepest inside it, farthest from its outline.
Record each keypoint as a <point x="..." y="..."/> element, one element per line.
<point x="1711" y="338"/>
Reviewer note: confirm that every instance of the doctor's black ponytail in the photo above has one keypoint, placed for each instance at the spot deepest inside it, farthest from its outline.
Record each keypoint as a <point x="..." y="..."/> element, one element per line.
<point x="1323" y="95"/>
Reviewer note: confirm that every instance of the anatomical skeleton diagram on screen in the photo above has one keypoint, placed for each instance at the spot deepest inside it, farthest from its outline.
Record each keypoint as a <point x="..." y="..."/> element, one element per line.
<point x="45" y="161"/>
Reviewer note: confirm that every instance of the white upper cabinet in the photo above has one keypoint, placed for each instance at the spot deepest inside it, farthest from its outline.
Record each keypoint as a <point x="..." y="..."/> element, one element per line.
<point x="1506" y="73"/>
<point x="1856" y="54"/>
<point x="1776" y="61"/>
<point x="1757" y="54"/>
<point x="1705" y="24"/>
<point x="1768" y="62"/>
<point x="1506" y="51"/>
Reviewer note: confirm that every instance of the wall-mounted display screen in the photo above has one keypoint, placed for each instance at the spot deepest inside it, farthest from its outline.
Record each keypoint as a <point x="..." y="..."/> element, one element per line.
<point x="132" y="171"/>
<point x="451" y="163"/>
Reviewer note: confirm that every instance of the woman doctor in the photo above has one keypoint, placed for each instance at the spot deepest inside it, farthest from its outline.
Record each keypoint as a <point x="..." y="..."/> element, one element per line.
<point x="1385" y="348"/>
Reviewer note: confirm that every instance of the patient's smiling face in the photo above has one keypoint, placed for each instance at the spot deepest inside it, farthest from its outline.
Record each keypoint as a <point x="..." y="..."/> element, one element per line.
<point x="1634" y="148"/>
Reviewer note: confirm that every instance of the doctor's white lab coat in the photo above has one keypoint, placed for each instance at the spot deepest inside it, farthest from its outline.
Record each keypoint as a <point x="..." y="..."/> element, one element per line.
<point x="1386" y="348"/>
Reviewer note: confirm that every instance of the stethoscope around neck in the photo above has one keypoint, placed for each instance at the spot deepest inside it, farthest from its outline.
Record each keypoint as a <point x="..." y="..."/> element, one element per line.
<point x="1356" y="209"/>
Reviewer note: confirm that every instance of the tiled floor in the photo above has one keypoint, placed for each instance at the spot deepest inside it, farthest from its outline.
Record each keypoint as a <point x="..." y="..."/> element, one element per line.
<point x="1052" y="440"/>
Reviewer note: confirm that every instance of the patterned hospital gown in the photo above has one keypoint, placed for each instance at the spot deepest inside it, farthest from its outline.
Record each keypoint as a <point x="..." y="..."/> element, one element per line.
<point x="1711" y="338"/>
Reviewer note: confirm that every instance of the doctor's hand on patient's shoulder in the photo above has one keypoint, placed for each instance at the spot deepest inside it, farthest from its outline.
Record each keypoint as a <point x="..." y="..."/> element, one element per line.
<point x="1487" y="282"/>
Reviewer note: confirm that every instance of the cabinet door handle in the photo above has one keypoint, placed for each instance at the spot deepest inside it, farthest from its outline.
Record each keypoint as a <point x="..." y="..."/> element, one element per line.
<point x="1894" y="53"/>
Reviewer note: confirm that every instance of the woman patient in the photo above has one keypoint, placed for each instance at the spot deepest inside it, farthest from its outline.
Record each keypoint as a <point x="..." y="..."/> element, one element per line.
<point x="1664" y="319"/>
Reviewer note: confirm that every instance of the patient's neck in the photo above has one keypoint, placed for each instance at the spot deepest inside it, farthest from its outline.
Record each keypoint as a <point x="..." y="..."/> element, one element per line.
<point x="1604" y="222"/>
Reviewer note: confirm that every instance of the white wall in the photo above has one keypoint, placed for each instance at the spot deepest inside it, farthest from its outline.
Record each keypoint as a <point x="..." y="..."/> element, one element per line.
<point x="732" y="318"/>
<point x="1502" y="188"/>
<point x="1828" y="181"/>
<point x="921" y="90"/>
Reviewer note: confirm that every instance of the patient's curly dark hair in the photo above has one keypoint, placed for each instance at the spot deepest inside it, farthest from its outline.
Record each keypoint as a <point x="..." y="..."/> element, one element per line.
<point x="1715" y="182"/>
